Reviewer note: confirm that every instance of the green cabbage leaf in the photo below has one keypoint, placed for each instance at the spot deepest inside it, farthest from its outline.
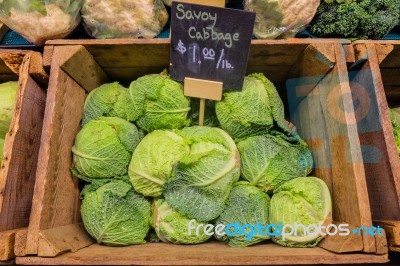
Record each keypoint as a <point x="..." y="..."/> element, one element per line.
<point x="115" y="215"/>
<point x="201" y="182"/>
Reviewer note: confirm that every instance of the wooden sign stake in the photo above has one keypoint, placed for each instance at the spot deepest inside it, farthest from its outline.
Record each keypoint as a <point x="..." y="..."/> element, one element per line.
<point x="203" y="89"/>
<point x="199" y="88"/>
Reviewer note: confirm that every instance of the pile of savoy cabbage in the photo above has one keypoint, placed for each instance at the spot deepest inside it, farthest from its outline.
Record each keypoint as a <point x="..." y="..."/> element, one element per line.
<point x="149" y="170"/>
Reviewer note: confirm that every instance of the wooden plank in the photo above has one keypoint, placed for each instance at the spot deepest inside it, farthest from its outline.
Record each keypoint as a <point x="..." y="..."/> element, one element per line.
<point x="47" y="57"/>
<point x="381" y="244"/>
<point x="10" y="62"/>
<point x="3" y="30"/>
<point x="392" y="229"/>
<point x="388" y="54"/>
<point x="7" y="240"/>
<point x="17" y="175"/>
<point x="20" y="243"/>
<point x="88" y="75"/>
<point x="56" y="200"/>
<point x="384" y="180"/>
<point x="36" y="69"/>
<point x="343" y="244"/>
<point x="204" y="254"/>
<point x="59" y="240"/>
<point x="350" y="192"/>
<point x="89" y="42"/>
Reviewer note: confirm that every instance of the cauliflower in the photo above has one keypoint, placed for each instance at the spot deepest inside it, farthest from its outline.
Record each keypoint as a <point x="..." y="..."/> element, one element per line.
<point x="281" y="18"/>
<point x="109" y="19"/>
<point x="41" y="21"/>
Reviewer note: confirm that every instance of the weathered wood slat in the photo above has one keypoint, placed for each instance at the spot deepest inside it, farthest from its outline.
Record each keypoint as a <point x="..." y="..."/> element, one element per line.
<point x="59" y="240"/>
<point x="204" y="254"/>
<point x="379" y="77"/>
<point x="21" y="147"/>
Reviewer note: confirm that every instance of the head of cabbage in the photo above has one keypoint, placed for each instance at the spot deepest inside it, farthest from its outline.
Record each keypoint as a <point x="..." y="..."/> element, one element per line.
<point x="153" y="160"/>
<point x="268" y="161"/>
<point x="172" y="227"/>
<point x="103" y="148"/>
<point x="202" y="180"/>
<point x="255" y="110"/>
<point x="108" y="100"/>
<point x="114" y="214"/>
<point x="8" y="93"/>
<point x="306" y="201"/>
<point x="157" y="102"/>
<point x="246" y="204"/>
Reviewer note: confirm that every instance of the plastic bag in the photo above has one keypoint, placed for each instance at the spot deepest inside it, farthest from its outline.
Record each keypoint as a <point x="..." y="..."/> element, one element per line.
<point x="169" y="2"/>
<point x="108" y="19"/>
<point x="279" y="19"/>
<point x="41" y="20"/>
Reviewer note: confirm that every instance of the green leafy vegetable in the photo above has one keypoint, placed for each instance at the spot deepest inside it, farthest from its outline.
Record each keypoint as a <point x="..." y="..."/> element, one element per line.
<point x="246" y="205"/>
<point x="107" y="100"/>
<point x="157" y="102"/>
<point x="305" y="201"/>
<point x="172" y="227"/>
<point x="115" y="215"/>
<point x="103" y="148"/>
<point x="153" y="160"/>
<point x="255" y="110"/>
<point x="201" y="181"/>
<point x="268" y="161"/>
<point x="360" y="19"/>
<point x="395" y="119"/>
<point x="8" y="92"/>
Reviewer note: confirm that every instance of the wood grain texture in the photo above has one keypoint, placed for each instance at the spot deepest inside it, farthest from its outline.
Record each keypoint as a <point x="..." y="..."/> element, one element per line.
<point x="382" y="69"/>
<point x="20" y="242"/>
<point x="204" y="254"/>
<point x="59" y="240"/>
<point x="21" y="148"/>
<point x="7" y="240"/>
<point x="343" y="244"/>
<point x="392" y="229"/>
<point x="56" y="199"/>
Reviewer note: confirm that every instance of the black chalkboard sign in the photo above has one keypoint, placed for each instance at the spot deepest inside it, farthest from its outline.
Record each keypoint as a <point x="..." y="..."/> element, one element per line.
<point x="210" y="43"/>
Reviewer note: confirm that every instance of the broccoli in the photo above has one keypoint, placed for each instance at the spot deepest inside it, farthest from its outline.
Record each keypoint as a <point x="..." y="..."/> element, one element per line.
<point x="360" y="19"/>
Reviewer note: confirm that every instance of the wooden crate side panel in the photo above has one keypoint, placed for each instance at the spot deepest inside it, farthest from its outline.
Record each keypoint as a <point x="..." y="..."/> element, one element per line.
<point x="204" y="254"/>
<point x="20" y="156"/>
<point x="374" y="130"/>
<point x="56" y="197"/>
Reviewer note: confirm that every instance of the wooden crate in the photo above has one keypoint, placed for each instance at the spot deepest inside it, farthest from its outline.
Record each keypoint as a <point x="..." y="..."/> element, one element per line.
<point x="314" y="69"/>
<point x="376" y="75"/>
<point x="21" y="146"/>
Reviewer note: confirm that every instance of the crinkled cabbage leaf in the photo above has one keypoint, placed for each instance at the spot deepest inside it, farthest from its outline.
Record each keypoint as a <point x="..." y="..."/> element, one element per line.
<point x="153" y="160"/>
<point x="305" y="201"/>
<point x="268" y="161"/>
<point x="247" y="204"/>
<point x="201" y="182"/>
<point x="157" y="102"/>
<point x="103" y="148"/>
<point x="8" y="92"/>
<point x="108" y="100"/>
<point x="253" y="111"/>
<point x="115" y="215"/>
<point x="172" y="227"/>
